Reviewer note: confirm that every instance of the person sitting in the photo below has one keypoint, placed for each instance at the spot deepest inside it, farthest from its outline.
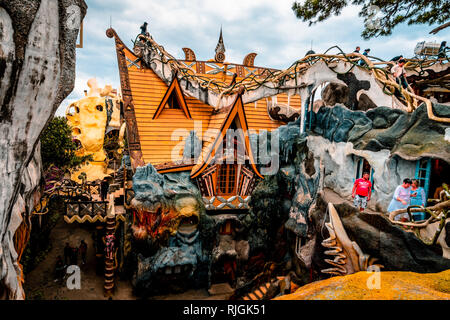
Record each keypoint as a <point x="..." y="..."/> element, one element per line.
<point x="400" y="199"/>
<point x="362" y="190"/>
<point x="417" y="199"/>
<point x="365" y="53"/>
<point x="437" y="192"/>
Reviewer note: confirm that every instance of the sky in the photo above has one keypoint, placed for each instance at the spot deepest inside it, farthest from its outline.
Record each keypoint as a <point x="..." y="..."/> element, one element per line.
<point x="267" y="27"/>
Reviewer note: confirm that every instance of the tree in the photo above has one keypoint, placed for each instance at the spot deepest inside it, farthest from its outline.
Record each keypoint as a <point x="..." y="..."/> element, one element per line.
<point x="57" y="146"/>
<point x="380" y="16"/>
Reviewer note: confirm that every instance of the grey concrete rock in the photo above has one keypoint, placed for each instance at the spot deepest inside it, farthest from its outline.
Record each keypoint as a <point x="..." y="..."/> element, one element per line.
<point x="395" y="249"/>
<point x="409" y="136"/>
<point x="340" y="124"/>
<point x="37" y="71"/>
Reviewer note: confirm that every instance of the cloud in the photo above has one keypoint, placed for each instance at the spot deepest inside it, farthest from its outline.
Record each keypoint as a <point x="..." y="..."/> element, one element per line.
<point x="266" y="27"/>
<point x="81" y="80"/>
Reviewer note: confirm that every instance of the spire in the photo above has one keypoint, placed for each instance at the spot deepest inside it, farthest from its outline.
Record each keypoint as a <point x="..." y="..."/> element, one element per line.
<point x="220" y="48"/>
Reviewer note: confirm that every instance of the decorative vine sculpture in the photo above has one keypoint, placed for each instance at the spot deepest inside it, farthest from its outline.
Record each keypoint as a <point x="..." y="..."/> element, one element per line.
<point x="348" y="256"/>
<point x="277" y="78"/>
<point x="438" y="213"/>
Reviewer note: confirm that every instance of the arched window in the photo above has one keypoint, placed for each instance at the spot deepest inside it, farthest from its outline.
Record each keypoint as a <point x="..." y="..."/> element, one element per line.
<point x="226" y="181"/>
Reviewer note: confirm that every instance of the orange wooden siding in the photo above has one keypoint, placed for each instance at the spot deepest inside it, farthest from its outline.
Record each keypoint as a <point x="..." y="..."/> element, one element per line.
<point x="157" y="136"/>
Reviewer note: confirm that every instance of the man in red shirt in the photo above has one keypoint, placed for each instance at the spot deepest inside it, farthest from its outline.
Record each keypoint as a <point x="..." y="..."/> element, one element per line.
<point x="362" y="190"/>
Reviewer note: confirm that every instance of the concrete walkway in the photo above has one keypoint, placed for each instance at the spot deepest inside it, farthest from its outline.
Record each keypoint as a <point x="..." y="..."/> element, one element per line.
<point x="333" y="197"/>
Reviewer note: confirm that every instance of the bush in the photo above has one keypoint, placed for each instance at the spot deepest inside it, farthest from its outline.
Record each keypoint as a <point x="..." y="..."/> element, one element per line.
<point x="58" y="147"/>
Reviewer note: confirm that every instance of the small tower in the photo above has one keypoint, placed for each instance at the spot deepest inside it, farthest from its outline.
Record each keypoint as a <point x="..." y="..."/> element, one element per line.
<point x="220" y="49"/>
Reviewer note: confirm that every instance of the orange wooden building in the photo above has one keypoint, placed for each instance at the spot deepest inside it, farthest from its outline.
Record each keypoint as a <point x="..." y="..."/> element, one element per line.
<point x="161" y="116"/>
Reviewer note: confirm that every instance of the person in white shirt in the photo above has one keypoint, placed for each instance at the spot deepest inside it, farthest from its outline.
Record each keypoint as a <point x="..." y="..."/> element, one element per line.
<point x="399" y="73"/>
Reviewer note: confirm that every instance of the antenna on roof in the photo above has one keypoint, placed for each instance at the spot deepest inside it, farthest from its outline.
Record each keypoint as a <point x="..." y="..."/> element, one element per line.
<point x="311" y="43"/>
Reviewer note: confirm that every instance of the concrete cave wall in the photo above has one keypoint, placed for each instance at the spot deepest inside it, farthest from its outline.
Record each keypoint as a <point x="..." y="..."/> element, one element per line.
<point x="37" y="71"/>
<point x="391" y="141"/>
<point x="292" y="200"/>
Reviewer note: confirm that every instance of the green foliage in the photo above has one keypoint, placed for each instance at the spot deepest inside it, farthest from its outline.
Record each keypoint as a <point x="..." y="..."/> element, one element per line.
<point x="37" y="295"/>
<point x="391" y="13"/>
<point x="57" y="146"/>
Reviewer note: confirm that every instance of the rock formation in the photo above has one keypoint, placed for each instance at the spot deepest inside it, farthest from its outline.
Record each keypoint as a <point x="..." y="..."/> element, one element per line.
<point x="392" y="286"/>
<point x="90" y="118"/>
<point x="37" y="71"/>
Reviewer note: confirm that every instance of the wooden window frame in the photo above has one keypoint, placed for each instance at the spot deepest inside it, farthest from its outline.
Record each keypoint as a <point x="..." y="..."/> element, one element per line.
<point x="226" y="228"/>
<point x="228" y="175"/>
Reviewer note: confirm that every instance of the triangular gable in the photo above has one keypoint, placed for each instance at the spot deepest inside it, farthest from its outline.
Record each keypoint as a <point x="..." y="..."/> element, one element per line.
<point x="174" y="89"/>
<point x="210" y="147"/>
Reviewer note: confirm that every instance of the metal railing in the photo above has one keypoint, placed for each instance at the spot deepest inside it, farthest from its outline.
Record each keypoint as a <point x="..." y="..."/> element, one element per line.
<point x="83" y="208"/>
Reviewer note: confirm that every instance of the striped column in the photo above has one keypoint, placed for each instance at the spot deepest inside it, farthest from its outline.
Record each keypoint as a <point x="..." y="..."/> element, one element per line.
<point x="109" y="259"/>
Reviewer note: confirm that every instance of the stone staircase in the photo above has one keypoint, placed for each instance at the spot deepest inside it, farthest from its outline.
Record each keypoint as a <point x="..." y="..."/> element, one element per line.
<point x="266" y="291"/>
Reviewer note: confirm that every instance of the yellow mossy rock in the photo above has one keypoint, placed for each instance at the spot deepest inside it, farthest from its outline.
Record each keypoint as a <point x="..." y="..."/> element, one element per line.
<point x="392" y="285"/>
<point x="94" y="171"/>
<point x="88" y="119"/>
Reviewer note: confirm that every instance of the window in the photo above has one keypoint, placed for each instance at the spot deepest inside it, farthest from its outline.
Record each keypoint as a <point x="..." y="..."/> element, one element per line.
<point x="226" y="228"/>
<point x="423" y="168"/>
<point x="233" y="145"/>
<point x="226" y="181"/>
<point x="172" y="103"/>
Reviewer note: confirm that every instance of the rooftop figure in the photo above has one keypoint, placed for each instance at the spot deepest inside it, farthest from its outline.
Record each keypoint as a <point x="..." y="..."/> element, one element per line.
<point x="144" y="29"/>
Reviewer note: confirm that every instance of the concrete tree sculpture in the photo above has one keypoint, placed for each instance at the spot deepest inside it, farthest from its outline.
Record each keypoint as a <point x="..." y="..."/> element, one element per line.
<point x="37" y="71"/>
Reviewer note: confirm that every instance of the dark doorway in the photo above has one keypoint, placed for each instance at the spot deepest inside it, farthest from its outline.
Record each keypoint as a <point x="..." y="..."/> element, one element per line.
<point x="224" y="270"/>
<point x="440" y="173"/>
<point x="362" y="165"/>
